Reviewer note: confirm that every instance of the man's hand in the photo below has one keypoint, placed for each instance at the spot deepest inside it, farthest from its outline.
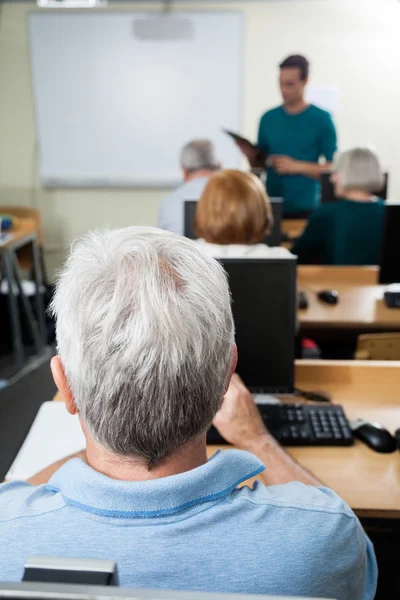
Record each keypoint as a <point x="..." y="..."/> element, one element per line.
<point x="284" y="165"/>
<point x="240" y="423"/>
<point x="239" y="420"/>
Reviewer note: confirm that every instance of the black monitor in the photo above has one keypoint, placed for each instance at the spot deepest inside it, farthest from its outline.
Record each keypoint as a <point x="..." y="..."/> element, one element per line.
<point x="272" y="239"/>
<point x="390" y="252"/>
<point x="328" y="194"/>
<point x="264" y="310"/>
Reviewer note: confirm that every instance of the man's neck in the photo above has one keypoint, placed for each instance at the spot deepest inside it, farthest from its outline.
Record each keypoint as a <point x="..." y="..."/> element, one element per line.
<point x="187" y="457"/>
<point x="296" y="107"/>
<point x="358" y="196"/>
<point x="199" y="174"/>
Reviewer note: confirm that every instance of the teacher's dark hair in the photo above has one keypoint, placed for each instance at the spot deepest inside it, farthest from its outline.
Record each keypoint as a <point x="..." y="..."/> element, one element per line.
<point x="297" y="61"/>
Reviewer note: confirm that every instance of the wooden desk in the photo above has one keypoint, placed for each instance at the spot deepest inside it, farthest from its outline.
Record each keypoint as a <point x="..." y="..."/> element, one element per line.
<point x="361" y="306"/>
<point x="368" y="481"/>
<point x="293" y="227"/>
<point x="24" y="238"/>
<point x="26" y="228"/>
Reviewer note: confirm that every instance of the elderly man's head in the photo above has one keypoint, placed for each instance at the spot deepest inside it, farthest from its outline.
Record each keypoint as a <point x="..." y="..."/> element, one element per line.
<point x="198" y="158"/>
<point x="145" y="336"/>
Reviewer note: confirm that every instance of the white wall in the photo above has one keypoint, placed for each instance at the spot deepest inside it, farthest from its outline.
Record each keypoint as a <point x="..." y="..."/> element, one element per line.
<point x="354" y="44"/>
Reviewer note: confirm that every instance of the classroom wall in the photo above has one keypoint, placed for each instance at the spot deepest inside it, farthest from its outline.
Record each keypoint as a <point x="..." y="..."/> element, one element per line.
<point x="353" y="44"/>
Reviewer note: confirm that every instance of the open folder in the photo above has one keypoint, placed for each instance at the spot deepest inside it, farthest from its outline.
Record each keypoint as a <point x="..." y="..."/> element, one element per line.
<point x="54" y="435"/>
<point x="254" y="154"/>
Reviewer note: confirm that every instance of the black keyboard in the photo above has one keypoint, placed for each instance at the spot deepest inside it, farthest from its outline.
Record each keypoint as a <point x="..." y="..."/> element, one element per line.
<point x="301" y="425"/>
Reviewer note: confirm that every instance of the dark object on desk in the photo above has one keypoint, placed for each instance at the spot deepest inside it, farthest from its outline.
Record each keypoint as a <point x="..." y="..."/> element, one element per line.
<point x="397" y="437"/>
<point x="264" y="310"/>
<point x="6" y="222"/>
<point x="256" y="157"/>
<point x="328" y="296"/>
<point x="302" y="300"/>
<point x="390" y="253"/>
<point x="392" y="296"/>
<point x="314" y="396"/>
<point x="328" y="193"/>
<point x="374" y="435"/>
<point x="83" y="571"/>
<point x="272" y="239"/>
<point x="301" y="425"/>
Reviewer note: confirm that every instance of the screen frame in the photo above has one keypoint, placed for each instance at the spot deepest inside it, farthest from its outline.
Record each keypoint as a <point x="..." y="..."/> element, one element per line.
<point x="291" y="265"/>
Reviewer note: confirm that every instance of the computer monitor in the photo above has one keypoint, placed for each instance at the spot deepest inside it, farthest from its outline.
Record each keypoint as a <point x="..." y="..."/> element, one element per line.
<point x="264" y="309"/>
<point x="390" y="252"/>
<point x="272" y="239"/>
<point x="328" y="194"/>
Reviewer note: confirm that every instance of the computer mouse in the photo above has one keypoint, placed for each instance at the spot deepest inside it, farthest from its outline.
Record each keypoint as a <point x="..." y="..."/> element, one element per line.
<point x="328" y="296"/>
<point x="397" y="437"/>
<point x="374" y="435"/>
<point x="302" y="300"/>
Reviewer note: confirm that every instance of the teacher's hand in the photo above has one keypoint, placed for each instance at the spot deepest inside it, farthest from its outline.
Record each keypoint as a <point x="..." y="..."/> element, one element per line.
<point x="284" y="165"/>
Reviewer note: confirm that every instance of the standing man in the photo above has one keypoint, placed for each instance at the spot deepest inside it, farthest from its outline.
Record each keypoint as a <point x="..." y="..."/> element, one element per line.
<point x="295" y="136"/>
<point x="198" y="163"/>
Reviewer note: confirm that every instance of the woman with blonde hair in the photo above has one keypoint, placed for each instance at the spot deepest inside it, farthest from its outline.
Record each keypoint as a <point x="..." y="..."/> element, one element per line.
<point x="350" y="230"/>
<point x="234" y="215"/>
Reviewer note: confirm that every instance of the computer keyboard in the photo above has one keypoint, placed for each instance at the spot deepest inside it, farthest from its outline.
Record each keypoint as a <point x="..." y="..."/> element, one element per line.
<point x="301" y="425"/>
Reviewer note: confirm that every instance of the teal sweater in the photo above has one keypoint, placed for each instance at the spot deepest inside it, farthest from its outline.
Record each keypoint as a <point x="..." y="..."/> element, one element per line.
<point x="345" y="232"/>
<point x="305" y="136"/>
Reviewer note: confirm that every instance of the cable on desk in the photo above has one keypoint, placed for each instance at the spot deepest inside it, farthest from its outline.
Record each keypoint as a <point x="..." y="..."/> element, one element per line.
<point x="313" y="396"/>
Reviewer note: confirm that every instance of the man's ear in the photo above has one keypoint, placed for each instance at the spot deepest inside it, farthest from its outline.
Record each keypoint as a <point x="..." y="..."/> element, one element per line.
<point x="61" y="382"/>
<point x="233" y="365"/>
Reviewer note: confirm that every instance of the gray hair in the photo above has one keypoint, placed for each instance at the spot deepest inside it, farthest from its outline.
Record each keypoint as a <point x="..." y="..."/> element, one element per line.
<point x="359" y="169"/>
<point x="198" y="155"/>
<point x="145" y="335"/>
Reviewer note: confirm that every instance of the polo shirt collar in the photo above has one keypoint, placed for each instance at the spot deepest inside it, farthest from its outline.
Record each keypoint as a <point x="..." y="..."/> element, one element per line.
<point x="83" y="487"/>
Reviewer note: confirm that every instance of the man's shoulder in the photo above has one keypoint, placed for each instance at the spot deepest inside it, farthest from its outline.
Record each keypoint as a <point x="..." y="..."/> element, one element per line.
<point x="272" y="113"/>
<point x="19" y="499"/>
<point x="319" y="114"/>
<point x="188" y="190"/>
<point x="174" y="195"/>
<point x="297" y="496"/>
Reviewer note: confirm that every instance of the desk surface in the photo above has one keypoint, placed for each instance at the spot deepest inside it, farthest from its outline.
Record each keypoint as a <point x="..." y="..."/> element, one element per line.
<point x="361" y="304"/>
<point x="368" y="481"/>
<point x="293" y="227"/>
<point x="26" y="227"/>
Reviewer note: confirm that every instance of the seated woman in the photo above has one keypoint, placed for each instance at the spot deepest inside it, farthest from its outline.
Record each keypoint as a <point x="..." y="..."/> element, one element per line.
<point x="233" y="216"/>
<point x="349" y="231"/>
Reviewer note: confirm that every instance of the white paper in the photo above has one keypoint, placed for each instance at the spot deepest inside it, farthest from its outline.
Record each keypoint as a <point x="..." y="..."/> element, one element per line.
<point x="54" y="435"/>
<point x="324" y="96"/>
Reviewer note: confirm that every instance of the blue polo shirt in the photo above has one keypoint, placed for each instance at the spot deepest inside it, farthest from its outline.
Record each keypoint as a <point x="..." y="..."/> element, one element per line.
<point x="193" y="531"/>
<point x="305" y="136"/>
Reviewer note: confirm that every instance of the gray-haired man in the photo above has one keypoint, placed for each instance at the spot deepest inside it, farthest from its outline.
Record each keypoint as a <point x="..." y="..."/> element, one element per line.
<point x="198" y="163"/>
<point x="146" y="353"/>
